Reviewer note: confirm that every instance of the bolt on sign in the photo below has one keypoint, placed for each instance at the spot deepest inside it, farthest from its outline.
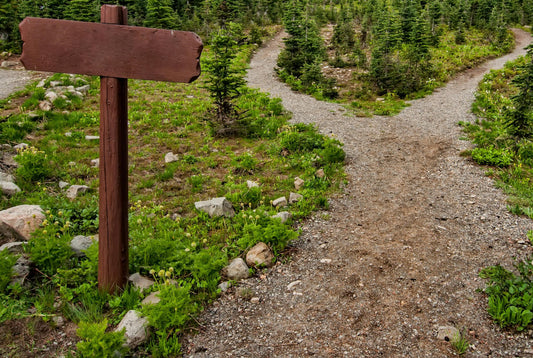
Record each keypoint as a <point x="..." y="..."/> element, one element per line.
<point x="115" y="52"/>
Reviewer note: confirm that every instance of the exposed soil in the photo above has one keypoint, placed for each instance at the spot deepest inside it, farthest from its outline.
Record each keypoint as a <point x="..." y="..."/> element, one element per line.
<point x="398" y="253"/>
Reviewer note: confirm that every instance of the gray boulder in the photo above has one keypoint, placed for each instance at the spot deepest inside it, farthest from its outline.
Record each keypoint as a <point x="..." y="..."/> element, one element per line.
<point x="280" y="202"/>
<point x="75" y="190"/>
<point x="6" y="177"/>
<point x="135" y="328"/>
<point x="16" y="247"/>
<point x="237" y="270"/>
<point x="283" y="215"/>
<point x="23" y="218"/>
<point x="21" y="270"/>
<point x="171" y="157"/>
<point x="81" y="243"/>
<point x="216" y="207"/>
<point x="294" y="198"/>
<point x="151" y="299"/>
<point x="141" y="282"/>
<point x="8" y="188"/>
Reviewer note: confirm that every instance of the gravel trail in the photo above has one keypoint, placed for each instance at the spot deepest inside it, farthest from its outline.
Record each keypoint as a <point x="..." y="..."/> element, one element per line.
<point x="399" y="252"/>
<point x="11" y="81"/>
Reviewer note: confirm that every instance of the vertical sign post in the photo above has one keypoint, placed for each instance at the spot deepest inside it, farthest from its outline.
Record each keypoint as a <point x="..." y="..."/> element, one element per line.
<point x="113" y="241"/>
<point x="115" y="52"/>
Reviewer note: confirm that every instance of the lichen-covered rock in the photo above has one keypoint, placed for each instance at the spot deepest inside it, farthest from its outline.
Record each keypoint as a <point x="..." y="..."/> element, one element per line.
<point x="140" y="282"/>
<point x="294" y="198"/>
<point x="283" y="215"/>
<point x="280" y="202"/>
<point x="81" y="243"/>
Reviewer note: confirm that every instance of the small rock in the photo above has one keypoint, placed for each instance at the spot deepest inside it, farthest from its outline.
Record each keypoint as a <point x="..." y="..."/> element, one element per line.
<point x="237" y="270"/>
<point x="140" y="282"/>
<point x="320" y="173"/>
<point x="81" y="243"/>
<point x="6" y="177"/>
<point x="251" y="184"/>
<point x="151" y="299"/>
<point x="260" y="255"/>
<point x="59" y="321"/>
<point x="51" y="96"/>
<point x="135" y="328"/>
<point x="63" y="184"/>
<point x="95" y="163"/>
<point x="75" y="190"/>
<point x="224" y="286"/>
<point x="171" y="157"/>
<point x="8" y="64"/>
<point x="291" y="285"/>
<point x="9" y="234"/>
<point x="283" y="215"/>
<point x="68" y="134"/>
<point x="216" y="207"/>
<point x="23" y="218"/>
<point x="45" y="106"/>
<point x="21" y="270"/>
<point x="448" y="333"/>
<point x="16" y="247"/>
<point x="298" y="183"/>
<point x="254" y="300"/>
<point x="280" y="202"/>
<point x="83" y="89"/>
<point x="325" y="261"/>
<point x="41" y="83"/>
<point x="380" y="99"/>
<point x="92" y="137"/>
<point x="294" y="198"/>
<point x="21" y="146"/>
<point x="55" y="83"/>
<point x="8" y="188"/>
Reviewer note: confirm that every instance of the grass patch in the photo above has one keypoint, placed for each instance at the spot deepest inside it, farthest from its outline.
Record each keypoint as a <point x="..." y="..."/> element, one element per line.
<point x="166" y="232"/>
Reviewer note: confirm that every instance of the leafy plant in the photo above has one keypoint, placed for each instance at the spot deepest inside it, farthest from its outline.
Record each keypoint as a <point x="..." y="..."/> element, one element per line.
<point x="96" y="342"/>
<point x="492" y="156"/>
<point x="7" y="260"/>
<point x="510" y="296"/>
<point x="34" y="165"/>
<point x="49" y="248"/>
<point x="460" y="343"/>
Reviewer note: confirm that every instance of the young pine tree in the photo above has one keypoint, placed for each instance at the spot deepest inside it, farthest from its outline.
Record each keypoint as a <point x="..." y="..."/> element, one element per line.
<point x="520" y="118"/>
<point x="224" y="81"/>
<point x="82" y="10"/>
<point x="159" y="14"/>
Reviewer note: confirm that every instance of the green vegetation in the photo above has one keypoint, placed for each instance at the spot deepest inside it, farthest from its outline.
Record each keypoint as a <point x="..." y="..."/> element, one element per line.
<point x="510" y="295"/>
<point x="182" y="248"/>
<point x="503" y="134"/>
<point x="503" y="138"/>
<point x="460" y="343"/>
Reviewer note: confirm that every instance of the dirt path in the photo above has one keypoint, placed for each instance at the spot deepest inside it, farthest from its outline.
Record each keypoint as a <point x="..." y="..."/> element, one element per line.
<point x="11" y="81"/>
<point x="406" y="242"/>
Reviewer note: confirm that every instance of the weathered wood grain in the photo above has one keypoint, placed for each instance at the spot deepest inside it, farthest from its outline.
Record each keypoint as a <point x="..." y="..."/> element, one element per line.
<point x="110" y="50"/>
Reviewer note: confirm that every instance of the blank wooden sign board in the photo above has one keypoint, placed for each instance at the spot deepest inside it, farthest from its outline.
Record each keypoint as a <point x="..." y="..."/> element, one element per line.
<point x="115" y="52"/>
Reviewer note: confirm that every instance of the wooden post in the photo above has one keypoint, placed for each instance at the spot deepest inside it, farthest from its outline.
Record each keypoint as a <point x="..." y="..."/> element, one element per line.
<point x="113" y="245"/>
<point x="116" y="52"/>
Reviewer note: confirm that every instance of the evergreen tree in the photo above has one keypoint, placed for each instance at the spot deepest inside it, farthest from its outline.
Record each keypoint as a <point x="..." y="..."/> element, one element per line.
<point x="520" y="118"/>
<point x="82" y="10"/>
<point x="159" y="14"/>
<point x="224" y="80"/>
<point x="304" y="45"/>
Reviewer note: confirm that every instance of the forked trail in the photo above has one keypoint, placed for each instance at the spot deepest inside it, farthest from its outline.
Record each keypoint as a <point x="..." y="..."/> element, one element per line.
<point x="406" y="241"/>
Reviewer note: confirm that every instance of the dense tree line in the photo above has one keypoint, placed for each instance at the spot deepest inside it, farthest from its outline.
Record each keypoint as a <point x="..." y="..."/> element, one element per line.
<point x="201" y="16"/>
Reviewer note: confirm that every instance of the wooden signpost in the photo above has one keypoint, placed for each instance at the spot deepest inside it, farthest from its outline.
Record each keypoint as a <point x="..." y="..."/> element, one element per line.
<point x="115" y="52"/>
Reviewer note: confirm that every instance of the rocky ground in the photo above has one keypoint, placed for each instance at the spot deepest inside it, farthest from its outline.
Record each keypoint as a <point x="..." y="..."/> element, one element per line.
<point x="398" y="254"/>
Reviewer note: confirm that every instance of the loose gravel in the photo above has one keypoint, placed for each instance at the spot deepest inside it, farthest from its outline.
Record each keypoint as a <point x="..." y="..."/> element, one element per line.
<point x="399" y="252"/>
<point x="11" y="81"/>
